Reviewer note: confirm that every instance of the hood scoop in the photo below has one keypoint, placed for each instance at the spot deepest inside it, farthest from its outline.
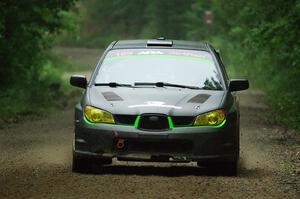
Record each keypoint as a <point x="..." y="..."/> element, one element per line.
<point x="201" y="98"/>
<point x="111" y="96"/>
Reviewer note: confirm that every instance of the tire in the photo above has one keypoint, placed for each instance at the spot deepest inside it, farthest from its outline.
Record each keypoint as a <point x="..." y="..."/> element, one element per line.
<point x="220" y="168"/>
<point x="81" y="165"/>
<point x="88" y="165"/>
<point x="230" y="168"/>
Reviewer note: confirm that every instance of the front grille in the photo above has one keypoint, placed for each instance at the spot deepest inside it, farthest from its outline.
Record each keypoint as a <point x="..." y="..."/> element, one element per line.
<point x="161" y="146"/>
<point x="125" y="119"/>
<point x="153" y="122"/>
<point x="182" y="120"/>
<point x="161" y="123"/>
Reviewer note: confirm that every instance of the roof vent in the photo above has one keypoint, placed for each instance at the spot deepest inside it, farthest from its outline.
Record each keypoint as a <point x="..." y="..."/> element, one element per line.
<point x="161" y="41"/>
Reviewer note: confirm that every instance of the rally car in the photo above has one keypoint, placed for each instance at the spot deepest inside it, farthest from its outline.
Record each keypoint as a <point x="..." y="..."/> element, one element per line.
<point x="158" y="100"/>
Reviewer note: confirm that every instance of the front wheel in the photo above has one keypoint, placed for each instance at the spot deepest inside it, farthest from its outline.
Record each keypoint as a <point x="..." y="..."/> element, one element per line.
<point x="89" y="165"/>
<point x="221" y="168"/>
<point x="230" y="168"/>
<point x="81" y="165"/>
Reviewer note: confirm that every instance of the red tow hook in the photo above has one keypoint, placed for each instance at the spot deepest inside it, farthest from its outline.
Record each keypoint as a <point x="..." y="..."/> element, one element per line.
<point x="120" y="144"/>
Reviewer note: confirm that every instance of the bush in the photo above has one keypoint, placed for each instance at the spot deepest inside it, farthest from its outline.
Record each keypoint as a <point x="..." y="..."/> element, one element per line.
<point x="27" y="29"/>
<point x="33" y="97"/>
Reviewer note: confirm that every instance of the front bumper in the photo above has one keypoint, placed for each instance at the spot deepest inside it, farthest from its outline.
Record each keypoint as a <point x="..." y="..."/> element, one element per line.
<point x="177" y="144"/>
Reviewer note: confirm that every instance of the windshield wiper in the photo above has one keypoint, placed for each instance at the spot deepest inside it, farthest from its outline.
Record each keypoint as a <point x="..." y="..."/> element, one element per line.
<point x="162" y="84"/>
<point x="113" y="84"/>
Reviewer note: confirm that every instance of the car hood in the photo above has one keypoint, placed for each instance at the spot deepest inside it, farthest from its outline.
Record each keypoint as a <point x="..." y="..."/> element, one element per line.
<point x="169" y="101"/>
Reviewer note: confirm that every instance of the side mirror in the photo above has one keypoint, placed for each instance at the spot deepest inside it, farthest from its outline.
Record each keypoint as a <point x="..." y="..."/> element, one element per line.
<point x="238" y="84"/>
<point x="78" y="81"/>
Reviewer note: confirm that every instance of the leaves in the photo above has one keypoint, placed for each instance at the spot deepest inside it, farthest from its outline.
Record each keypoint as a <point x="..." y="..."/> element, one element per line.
<point x="26" y="29"/>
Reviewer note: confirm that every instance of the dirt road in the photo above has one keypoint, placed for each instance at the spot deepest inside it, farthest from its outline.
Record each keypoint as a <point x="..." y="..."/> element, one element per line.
<point x="36" y="158"/>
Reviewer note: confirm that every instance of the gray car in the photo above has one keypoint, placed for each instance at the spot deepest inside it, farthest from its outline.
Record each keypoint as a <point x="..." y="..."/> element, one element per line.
<point x="161" y="101"/>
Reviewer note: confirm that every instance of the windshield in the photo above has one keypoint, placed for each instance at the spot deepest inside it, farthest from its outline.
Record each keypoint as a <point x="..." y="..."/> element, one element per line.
<point x="173" y="66"/>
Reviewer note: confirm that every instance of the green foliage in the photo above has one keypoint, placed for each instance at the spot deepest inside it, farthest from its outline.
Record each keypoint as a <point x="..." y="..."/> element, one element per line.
<point x="27" y="29"/>
<point x="33" y="97"/>
<point x="104" y="21"/>
<point x="266" y="32"/>
<point x="197" y="28"/>
<point x="166" y="18"/>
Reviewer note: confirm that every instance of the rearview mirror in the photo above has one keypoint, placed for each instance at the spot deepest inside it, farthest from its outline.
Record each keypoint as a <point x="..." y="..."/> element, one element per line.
<point x="238" y="84"/>
<point x="78" y="81"/>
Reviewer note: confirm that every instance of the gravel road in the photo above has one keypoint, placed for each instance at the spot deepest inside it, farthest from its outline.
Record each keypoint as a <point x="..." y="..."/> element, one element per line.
<point x="35" y="162"/>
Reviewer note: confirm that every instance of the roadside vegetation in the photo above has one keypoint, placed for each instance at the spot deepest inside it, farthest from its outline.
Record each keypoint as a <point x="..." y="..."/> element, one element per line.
<point x="30" y="80"/>
<point x="258" y="40"/>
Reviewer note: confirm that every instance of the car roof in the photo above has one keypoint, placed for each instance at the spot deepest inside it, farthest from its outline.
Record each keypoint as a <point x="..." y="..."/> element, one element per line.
<point x="160" y="43"/>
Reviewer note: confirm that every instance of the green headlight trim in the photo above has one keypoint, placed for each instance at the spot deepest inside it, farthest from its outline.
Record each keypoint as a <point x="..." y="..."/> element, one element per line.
<point x="110" y="124"/>
<point x="136" y="123"/>
<point x="87" y="121"/>
<point x="218" y="126"/>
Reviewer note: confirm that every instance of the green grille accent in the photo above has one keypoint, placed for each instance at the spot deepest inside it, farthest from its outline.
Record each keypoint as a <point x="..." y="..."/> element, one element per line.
<point x="170" y="122"/>
<point x="136" y="123"/>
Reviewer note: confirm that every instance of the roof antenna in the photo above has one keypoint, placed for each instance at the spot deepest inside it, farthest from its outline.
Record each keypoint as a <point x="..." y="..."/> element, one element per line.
<point x="161" y="38"/>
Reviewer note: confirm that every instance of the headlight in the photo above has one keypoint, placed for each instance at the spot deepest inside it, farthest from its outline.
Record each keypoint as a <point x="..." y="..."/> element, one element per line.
<point x="97" y="115"/>
<point x="213" y="118"/>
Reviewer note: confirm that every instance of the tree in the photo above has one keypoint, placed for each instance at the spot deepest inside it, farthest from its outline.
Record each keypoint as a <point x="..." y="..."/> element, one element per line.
<point x="26" y="30"/>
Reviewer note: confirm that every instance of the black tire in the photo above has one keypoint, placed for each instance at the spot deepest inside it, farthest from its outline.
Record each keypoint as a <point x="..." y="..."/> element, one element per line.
<point x="220" y="168"/>
<point x="89" y="165"/>
<point x="81" y="165"/>
<point x="230" y="168"/>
